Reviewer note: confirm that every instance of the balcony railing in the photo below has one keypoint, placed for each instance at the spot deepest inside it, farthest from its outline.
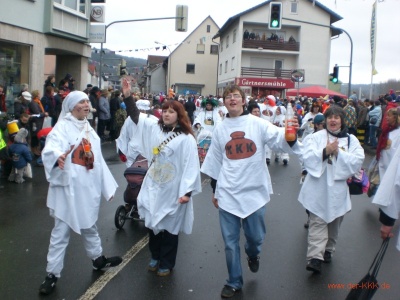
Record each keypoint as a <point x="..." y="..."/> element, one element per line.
<point x="264" y="72"/>
<point x="271" y="45"/>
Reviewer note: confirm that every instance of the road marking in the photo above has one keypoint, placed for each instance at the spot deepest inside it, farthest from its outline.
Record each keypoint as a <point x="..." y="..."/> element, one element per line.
<point x="101" y="282"/>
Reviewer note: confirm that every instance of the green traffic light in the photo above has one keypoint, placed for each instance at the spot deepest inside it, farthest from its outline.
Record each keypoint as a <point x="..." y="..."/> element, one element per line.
<point x="334" y="80"/>
<point x="274" y="23"/>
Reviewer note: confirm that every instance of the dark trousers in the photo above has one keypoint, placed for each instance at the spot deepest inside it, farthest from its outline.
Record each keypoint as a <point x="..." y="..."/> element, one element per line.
<point x="164" y="247"/>
<point x="101" y="126"/>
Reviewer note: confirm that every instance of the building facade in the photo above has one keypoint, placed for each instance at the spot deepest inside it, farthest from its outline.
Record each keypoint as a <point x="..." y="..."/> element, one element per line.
<point x="34" y="34"/>
<point x="263" y="61"/>
<point x="192" y="66"/>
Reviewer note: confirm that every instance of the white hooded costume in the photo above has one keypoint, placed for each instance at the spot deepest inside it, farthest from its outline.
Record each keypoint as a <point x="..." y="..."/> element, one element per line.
<point x="75" y="192"/>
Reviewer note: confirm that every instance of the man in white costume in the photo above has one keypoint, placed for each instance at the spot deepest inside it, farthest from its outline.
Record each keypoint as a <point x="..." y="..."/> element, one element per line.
<point x="78" y="177"/>
<point x="236" y="154"/>
<point x="165" y="198"/>
<point x="330" y="157"/>
<point x="267" y="109"/>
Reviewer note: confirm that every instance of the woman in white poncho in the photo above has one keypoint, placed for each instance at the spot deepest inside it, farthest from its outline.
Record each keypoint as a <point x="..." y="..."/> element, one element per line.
<point x="172" y="179"/>
<point x="330" y="157"/>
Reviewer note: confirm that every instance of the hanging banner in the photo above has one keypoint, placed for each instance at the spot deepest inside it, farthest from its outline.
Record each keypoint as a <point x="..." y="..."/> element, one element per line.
<point x="373" y="38"/>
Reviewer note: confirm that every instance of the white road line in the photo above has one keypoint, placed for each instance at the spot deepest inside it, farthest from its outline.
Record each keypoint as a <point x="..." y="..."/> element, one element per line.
<point x="101" y="282"/>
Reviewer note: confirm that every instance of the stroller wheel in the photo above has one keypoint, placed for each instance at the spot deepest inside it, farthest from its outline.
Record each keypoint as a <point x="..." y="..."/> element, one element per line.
<point x="119" y="219"/>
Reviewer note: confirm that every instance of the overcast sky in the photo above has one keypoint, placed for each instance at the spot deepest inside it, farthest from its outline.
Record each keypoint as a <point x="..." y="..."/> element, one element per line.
<point x="356" y="21"/>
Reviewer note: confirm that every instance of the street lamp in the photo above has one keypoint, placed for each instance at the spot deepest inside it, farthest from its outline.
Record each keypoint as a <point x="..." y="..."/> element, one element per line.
<point x="169" y="66"/>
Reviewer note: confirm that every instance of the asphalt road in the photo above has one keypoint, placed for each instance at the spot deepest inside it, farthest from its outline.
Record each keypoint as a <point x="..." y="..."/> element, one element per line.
<point x="200" y="272"/>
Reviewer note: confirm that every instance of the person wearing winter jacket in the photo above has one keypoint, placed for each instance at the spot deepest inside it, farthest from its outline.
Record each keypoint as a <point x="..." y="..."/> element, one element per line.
<point x="20" y="156"/>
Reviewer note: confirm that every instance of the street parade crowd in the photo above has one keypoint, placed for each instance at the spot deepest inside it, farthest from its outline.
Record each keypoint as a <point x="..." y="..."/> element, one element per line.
<point x="231" y="139"/>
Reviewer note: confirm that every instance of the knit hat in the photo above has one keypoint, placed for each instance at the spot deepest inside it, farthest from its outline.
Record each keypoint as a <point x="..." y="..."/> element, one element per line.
<point x="318" y="119"/>
<point x="20" y="137"/>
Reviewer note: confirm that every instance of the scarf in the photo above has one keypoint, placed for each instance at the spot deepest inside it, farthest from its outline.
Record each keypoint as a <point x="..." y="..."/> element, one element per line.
<point x="339" y="134"/>
<point x="37" y="100"/>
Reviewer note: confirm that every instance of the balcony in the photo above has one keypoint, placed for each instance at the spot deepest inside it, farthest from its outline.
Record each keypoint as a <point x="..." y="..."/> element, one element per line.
<point x="271" y="45"/>
<point x="264" y="72"/>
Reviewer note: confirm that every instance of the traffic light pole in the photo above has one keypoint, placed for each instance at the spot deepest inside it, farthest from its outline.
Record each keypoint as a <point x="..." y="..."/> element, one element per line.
<point x="351" y="58"/>
<point x="124" y="21"/>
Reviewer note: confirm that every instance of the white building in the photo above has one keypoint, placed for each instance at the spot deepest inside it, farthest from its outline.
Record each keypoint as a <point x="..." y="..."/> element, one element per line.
<point x="194" y="62"/>
<point x="35" y="32"/>
<point x="263" y="66"/>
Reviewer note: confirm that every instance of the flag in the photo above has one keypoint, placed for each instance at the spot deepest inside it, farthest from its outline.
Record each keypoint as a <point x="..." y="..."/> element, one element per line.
<point x="373" y="38"/>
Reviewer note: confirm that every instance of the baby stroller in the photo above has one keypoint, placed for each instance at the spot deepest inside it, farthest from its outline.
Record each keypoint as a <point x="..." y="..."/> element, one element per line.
<point x="134" y="176"/>
<point x="203" y="143"/>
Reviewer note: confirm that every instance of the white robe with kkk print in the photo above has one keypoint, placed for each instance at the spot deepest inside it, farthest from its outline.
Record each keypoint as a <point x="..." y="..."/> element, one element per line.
<point x="236" y="159"/>
<point x="174" y="172"/>
<point x="75" y="192"/>
<point x="325" y="192"/>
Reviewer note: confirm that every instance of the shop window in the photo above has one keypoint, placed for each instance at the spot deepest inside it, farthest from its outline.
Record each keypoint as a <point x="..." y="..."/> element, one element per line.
<point x="14" y="70"/>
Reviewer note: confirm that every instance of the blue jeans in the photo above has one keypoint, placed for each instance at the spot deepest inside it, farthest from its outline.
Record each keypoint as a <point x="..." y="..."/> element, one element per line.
<point x="254" y="231"/>
<point x="372" y="135"/>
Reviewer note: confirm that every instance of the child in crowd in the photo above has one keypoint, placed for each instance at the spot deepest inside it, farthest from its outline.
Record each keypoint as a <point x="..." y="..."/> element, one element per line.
<point x="20" y="156"/>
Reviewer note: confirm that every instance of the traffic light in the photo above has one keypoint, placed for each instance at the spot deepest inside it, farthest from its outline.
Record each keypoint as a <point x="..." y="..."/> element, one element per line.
<point x="335" y="75"/>
<point x="275" y="15"/>
<point x="181" y="21"/>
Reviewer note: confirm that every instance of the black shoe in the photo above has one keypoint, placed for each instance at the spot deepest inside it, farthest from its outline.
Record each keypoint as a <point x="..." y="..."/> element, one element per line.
<point x="48" y="284"/>
<point x="285" y="161"/>
<point x="314" y="265"/>
<point x="104" y="262"/>
<point x="307" y="224"/>
<point x="304" y="172"/>
<point x="327" y="257"/>
<point x="229" y="292"/>
<point x="268" y="161"/>
<point x="254" y="263"/>
<point x="276" y="159"/>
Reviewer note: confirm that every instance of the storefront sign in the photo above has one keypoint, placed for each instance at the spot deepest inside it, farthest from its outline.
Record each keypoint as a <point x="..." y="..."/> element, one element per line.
<point x="265" y="82"/>
<point x="97" y="14"/>
<point x="97" y="34"/>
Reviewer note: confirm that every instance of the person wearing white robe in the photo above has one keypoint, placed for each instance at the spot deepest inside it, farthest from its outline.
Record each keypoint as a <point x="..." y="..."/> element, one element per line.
<point x="387" y="197"/>
<point x="389" y="141"/>
<point x="307" y="125"/>
<point x="208" y="118"/>
<point x="127" y="144"/>
<point x="236" y="155"/>
<point x="267" y="109"/>
<point x="165" y="198"/>
<point x="78" y="177"/>
<point x="279" y="120"/>
<point x="330" y="157"/>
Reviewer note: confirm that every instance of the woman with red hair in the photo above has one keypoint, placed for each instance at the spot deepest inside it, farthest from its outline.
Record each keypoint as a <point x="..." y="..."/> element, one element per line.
<point x="173" y="177"/>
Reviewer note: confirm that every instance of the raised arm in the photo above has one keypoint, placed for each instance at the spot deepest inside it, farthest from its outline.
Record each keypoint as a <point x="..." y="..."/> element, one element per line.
<point x="131" y="107"/>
